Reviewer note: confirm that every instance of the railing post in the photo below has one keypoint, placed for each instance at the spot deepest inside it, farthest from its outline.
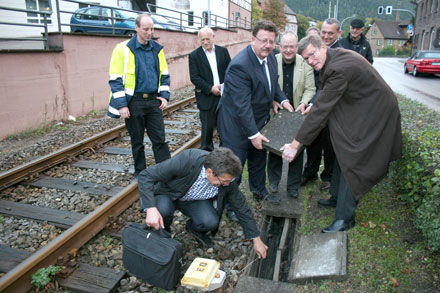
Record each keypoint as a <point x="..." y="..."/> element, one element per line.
<point x="57" y="3"/>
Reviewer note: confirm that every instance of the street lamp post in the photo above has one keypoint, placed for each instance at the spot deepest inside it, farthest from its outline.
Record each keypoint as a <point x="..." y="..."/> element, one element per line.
<point x="342" y="23"/>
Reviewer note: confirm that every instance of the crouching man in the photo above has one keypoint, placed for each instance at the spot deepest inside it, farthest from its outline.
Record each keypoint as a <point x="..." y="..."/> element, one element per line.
<point x="199" y="184"/>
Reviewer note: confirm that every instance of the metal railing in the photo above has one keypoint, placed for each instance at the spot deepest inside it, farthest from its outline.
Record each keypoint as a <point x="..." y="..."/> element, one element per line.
<point x="45" y="15"/>
<point x="190" y="21"/>
<point x="175" y="20"/>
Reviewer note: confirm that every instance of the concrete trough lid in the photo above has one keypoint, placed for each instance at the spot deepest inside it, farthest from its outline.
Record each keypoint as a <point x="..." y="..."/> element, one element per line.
<point x="247" y="284"/>
<point x="320" y="256"/>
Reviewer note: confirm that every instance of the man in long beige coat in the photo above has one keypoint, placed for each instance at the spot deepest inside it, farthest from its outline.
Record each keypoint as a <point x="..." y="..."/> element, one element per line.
<point x="364" y="120"/>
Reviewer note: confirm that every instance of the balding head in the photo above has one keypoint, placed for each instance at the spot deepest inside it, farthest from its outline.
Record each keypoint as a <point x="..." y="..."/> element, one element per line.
<point x="206" y="38"/>
<point x="289" y="46"/>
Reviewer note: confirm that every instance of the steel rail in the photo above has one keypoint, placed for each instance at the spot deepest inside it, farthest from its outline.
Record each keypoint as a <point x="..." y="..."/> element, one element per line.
<point x="24" y="171"/>
<point x="19" y="278"/>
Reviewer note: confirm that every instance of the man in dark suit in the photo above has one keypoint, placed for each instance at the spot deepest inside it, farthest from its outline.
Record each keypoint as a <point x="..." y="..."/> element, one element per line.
<point x="199" y="184"/>
<point x="207" y="67"/>
<point x="251" y="84"/>
<point x="363" y="117"/>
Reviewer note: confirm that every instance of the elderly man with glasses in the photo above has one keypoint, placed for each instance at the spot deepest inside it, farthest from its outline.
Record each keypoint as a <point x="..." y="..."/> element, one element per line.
<point x="199" y="184"/>
<point x="298" y="83"/>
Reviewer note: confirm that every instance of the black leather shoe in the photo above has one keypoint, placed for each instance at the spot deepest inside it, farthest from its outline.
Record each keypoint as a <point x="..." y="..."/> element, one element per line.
<point x="232" y="216"/>
<point x="306" y="180"/>
<point x="339" y="225"/>
<point x="293" y="193"/>
<point x="273" y="188"/>
<point x="202" y="238"/>
<point x="326" y="203"/>
<point x="268" y="197"/>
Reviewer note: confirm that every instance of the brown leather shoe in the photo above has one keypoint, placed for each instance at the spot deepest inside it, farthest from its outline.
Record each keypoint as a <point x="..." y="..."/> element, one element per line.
<point x="325" y="185"/>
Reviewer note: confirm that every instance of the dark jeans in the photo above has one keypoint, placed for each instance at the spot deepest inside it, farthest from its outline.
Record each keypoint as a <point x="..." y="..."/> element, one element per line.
<point x="146" y="115"/>
<point x="340" y="192"/>
<point x="314" y="156"/>
<point x="203" y="215"/>
<point x="275" y="166"/>
<point x="256" y="162"/>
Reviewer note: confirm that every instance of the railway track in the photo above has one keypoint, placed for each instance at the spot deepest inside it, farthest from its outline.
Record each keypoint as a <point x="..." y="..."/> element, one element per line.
<point x="81" y="228"/>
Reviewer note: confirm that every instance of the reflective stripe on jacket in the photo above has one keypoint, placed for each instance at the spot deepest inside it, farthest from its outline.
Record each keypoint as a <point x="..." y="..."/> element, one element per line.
<point x="122" y="73"/>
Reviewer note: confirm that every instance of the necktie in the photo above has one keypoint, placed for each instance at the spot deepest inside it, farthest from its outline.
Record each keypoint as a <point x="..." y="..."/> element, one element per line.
<point x="266" y="73"/>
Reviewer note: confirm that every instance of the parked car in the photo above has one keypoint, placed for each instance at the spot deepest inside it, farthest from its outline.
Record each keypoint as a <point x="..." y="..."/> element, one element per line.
<point x="423" y="61"/>
<point x="97" y="19"/>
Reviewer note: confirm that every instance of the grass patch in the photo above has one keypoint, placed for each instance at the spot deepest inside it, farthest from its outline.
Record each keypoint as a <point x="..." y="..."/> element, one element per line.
<point x="385" y="252"/>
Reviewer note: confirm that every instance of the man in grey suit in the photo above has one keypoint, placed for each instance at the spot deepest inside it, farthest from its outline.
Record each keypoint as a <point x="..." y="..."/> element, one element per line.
<point x="207" y="67"/>
<point x="251" y="84"/>
<point x="199" y="184"/>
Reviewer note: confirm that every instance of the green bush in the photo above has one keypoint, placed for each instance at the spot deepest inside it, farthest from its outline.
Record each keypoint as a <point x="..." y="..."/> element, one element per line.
<point x="417" y="175"/>
<point x="403" y="51"/>
<point x="388" y="51"/>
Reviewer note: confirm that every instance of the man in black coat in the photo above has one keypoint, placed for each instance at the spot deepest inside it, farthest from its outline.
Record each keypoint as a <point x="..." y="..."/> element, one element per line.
<point x="207" y="67"/>
<point x="251" y="84"/>
<point x="356" y="40"/>
<point x="199" y="184"/>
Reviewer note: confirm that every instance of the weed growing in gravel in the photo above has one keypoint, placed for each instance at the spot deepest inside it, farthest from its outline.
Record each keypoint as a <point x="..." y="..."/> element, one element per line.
<point x="44" y="276"/>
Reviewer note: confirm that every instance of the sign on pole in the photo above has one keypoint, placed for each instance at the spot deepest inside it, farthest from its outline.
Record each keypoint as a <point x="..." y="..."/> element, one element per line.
<point x="380" y="10"/>
<point x="389" y="10"/>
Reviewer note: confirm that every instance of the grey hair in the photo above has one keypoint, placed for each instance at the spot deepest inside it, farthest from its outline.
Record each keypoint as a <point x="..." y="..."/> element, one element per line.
<point x="306" y="41"/>
<point x="332" y="21"/>
<point x="205" y="28"/>
<point x="312" y="28"/>
<point x="288" y="33"/>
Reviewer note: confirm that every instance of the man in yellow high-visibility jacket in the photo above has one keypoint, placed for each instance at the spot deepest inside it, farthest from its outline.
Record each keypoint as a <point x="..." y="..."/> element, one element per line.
<point x="140" y="90"/>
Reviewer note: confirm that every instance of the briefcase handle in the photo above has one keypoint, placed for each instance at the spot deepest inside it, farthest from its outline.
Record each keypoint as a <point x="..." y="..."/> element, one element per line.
<point x="161" y="232"/>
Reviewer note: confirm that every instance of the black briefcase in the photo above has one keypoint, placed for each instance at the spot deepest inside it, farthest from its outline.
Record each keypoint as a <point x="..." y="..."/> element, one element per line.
<point x="151" y="255"/>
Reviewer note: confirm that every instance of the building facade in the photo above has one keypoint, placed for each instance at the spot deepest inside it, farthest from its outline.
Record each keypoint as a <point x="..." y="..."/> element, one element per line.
<point x="388" y="33"/>
<point x="427" y="26"/>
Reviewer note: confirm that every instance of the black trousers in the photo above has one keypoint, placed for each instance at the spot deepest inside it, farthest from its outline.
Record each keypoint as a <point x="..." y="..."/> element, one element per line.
<point x="256" y="162"/>
<point x="146" y="115"/>
<point x="207" y="118"/>
<point x="274" y="169"/>
<point x="314" y="156"/>
<point x="346" y="203"/>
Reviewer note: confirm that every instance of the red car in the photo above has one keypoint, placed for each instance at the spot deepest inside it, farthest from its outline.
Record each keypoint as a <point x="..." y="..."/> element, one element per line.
<point x="423" y="61"/>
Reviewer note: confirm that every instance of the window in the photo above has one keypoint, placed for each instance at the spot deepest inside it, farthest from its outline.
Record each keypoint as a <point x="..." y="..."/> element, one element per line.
<point x="400" y="42"/>
<point x="379" y="42"/>
<point x="436" y="42"/>
<point x="373" y="32"/>
<point x="237" y="18"/>
<point x="40" y="5"/>
<point x="92" y="14"/>
<point x="190" y="18"/>
<point x="389" y="42"/>
<point x="377" y="52"/>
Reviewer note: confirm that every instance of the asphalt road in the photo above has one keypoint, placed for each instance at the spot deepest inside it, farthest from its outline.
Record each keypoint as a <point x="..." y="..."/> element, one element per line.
<point x="425" y="89"/>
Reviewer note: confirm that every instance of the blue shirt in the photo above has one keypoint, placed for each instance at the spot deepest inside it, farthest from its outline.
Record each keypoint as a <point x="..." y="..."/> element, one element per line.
<point x="147" y="78"/>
